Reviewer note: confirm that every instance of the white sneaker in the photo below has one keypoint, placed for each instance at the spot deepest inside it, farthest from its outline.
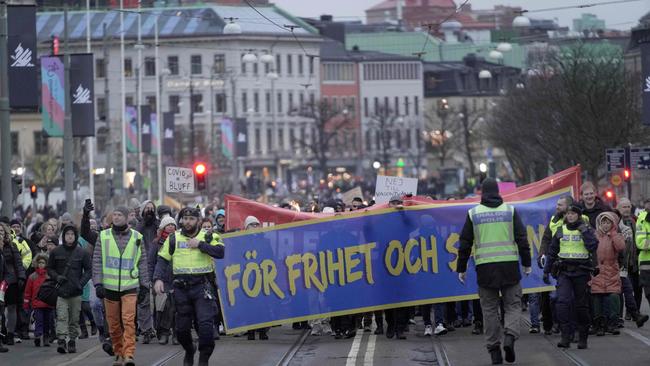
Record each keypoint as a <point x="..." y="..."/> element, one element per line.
<point x="412" y="321"/>
<point x="222" y="331"/>
<point x="428" y="331"/>
<point x="440" y="330"/>
<point x="316" y="330"/>
<point x="327" y="329"/>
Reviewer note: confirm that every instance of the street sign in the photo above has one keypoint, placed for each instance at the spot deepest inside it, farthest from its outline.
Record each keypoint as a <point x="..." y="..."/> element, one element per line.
<point x="388" y="187"/>
<point x="180" y="180"/>
<point x="640" y="158"/>
<point x="616" y="180"/>
<point x="615" y="159"/>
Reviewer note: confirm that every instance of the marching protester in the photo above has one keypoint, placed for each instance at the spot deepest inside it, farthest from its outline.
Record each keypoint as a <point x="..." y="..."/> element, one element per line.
<point x="495" y="230"/>
<point x="14" y="279"/>
<point x="571" y="258"/>
<point x="643" y="245"/>
<point x="190" y="253"/>
<point x="70" y="266"/>
<point x="252" y="223"/>
<point x="591" y="204"/>
<point x="43" y="312"/>
<point x="148" y="228"/>
<point x="121" y="278"/>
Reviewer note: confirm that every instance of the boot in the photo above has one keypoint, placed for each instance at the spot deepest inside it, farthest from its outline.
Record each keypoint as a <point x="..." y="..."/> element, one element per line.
<point x="3" y="349"/>
<point x="9" y="339"/>
<point x="61" y="346"/>
<point x="83" y="331"/>
<point x="583" y="334"/>
<point x="509" y="347"/>
<point x="612" y="328"/>
<point x="188" y="360"/>
<point x="72" y="347"/>
<point x="251" y="335"/>
<point x="107" y="346"/>
<point x="147" y="336"/>
<point x="46" y="343"/>
<point x="264" y="335"/>
<point x="37" y="341"/>
<point x="390" y="332"/>
<point x="204" y="358"/>
<point x="379" y="330"/>
<point x="565" y="342"/>
<point x="164" y="339"/>
<point x="400" y="335"/>
<point x="495" y="354"/>
<point x="478" y="329"/>
<point x="639" y="319"/>
<point x="93" y="328"/>
<point x="600" y="327"/>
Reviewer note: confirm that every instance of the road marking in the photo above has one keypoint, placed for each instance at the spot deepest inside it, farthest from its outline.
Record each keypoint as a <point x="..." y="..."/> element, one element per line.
<point x="637" y="336"/>
<point x="441" y="353"/>
<point x="81" y="356"/>
<point x="286" y="359"/>
<point x="354" y="350"/>
<point x="370" y="351"/>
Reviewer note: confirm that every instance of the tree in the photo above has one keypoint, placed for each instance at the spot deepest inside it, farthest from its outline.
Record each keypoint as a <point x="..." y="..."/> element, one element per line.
<point x="441" y="132"/>
<point x="47" y="173"/>
<point x="329" y="122"/>
<point x="569" y="111"/>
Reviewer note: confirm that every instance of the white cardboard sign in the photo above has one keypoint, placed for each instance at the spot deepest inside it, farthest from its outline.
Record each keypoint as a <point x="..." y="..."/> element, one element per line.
<point x="388" y="187"/>
<point x="179" y="180"/>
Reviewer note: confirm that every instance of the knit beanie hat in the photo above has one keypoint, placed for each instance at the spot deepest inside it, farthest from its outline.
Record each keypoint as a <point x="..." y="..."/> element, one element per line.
<point x="167" y="220"/>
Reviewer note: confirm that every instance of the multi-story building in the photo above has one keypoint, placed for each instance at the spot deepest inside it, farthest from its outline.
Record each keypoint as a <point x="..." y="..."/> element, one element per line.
<point x="204" y="77"/>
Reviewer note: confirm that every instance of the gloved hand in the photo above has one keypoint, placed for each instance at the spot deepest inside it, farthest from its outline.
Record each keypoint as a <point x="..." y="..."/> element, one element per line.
<point x="61" y="279"/>
<point x="583" y="228"/>
<point x="546" y="279"/>
<point x="143" y="292"/>
<point x="88" y="207"/>
<point x="595" y="271"/>
<point x="527" y="270"/>
<point x="100" y="291"/>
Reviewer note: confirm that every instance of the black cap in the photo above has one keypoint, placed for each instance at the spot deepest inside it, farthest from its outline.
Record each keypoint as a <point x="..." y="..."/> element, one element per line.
<point x="191" y="211"/>
<point x="14" y="222"/>
<point x="575" y="208"/>
<point x="489" y="186"/>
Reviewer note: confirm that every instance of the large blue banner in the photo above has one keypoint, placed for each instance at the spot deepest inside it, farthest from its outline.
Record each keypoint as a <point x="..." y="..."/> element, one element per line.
<point x="357" y="263"/>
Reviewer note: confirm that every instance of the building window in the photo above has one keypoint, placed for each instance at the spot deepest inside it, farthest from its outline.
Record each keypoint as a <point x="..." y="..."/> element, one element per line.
<point x="281" y="138"/>
<point x="196" y="65"/>
<point x="290" y="97"/>
<point x="128" y="67"/>
<point x="398" y="139"/>
<point x="312" y="99"/>
<point x="255" y="69"/>
<point x="151" y="102"/>
<point x="197" y="103"/>
<point x="267" y="100"/>
<point x="101" y="108"/>
<point x="269" y="139"/>
<point x="258" y="141"/>
<point x="386" y="105"/>
<point x="406" y="106"/>
<point x="279" y="106"/>
<point x="100" y="68"/>
<point x="397" y="106"/>
<point x="289" y="65"/>
<point x="301" y="69"/>
<point x="352" y="107"/>
<point x="408" y="139"/>
<point x="220" y="103"/>
<point x="102" y="139"/>
<point x="174" y="101"/>
<point x="376" y="106"/>
<point x="128" y="100"/>
<point x="311" y="65"/>
<point x="14" y="143"/>
<point x="149" y="66"/>
<point x="40" y="143"/>
<point x="244" y="102"/>
<point x="267" y="69"/>
<point x="416" y="105"/>
<point x="365" y="107"/>
<point x="278" y="64"/>
<point x="256" y="102"/>
<point x="172" y="65"/>
<point x="301" y="100"/>
<point x="292" y="138"/>
<point x="243" y="64"/>
<point x="219" y="63"/>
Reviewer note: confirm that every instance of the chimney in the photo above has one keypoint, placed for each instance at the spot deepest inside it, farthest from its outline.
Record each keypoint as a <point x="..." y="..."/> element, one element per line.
<point x="326" y="18"/>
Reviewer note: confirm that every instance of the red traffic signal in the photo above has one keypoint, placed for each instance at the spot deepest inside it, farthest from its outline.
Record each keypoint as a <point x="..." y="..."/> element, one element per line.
<point x="200" y="170"/>
<point x="55" y="45"/>
<point x="610" y="195"/>
<point x="33" y="191"/>
<point x="627" y="174"/>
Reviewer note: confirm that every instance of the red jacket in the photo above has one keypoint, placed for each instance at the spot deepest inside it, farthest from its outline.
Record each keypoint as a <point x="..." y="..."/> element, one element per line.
<point x="34" y="282"/>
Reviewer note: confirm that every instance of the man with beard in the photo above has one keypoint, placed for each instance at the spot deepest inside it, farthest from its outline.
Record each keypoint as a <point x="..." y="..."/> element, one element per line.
<point x="191" y="252"/>
<point x="148" y="227"/>
<point x="121" y="278"/>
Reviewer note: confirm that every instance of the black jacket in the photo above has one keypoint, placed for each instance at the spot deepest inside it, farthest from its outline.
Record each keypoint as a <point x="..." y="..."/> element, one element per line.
<point x="592" y="213"/>
<point x="13" y="265"/>
<point x="79" y="271"/>
<point x="149" y="231"/>
<point x="494" y="275"/>
<point x="588" y="236"/>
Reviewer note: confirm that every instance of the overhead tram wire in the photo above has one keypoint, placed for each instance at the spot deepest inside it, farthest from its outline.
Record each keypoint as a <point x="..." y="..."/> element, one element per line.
<point x="430" y="26"/>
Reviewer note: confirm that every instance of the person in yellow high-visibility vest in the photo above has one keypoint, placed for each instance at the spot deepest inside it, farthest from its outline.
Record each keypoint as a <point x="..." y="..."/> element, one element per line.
<point x="499" y="239"/>
<point x="643" y="245"/>
<point x="121" y="278"/>
<point x="190" y="254"/>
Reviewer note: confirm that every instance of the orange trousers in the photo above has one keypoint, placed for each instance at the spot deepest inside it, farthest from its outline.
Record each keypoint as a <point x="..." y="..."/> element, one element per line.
<point x="120" y="316"/>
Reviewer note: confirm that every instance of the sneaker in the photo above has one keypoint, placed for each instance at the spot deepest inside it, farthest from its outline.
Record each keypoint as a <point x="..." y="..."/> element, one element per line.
<point x="222" y="330"/>
<point x="467" y="323"/>
<point x="10" y="340"/>
<point x="367" y="329"/>
<point x="533" y="330"/>
<point x="46" y="343"/>
<point x="163" y="339"/>
<point x="118" y="361"/>
<point x="428" y="331"/>
<point x="128" y="361"/>
<point x="316" y="330"/>
<point x="412" y="321"/>
<point x="61" y="346"/>
<point x="379" y="331"/>
<point x="440" y="330"/>
<point x="478" y="328"/>
<point x="37" y="341"/>
<point x="327" y="329"/>
<point x="72" y="347"/>
<point x="108" y="348"/>
<point x="458" y="323"/>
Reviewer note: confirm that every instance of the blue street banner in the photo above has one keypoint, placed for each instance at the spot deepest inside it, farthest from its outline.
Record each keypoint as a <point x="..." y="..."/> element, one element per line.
<point x="358" y="262"/>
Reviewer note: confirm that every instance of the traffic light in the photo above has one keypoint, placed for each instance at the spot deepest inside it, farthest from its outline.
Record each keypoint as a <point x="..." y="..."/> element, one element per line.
<point x="610" y="196"/>
<point x="627" y="175"/>
<point x="55" y="45"/>
<point x="200" y="172"/>
<point x="33" y="191"/>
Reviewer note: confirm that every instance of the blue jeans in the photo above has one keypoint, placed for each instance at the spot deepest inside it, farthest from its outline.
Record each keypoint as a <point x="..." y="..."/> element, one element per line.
<point x="533" y="308"/>
<point x="439" y="313"/>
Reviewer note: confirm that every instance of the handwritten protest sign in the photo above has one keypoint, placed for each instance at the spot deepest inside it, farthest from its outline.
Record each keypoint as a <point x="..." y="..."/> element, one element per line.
<point x="179" y="180"/>
<point x="388" y="187"/>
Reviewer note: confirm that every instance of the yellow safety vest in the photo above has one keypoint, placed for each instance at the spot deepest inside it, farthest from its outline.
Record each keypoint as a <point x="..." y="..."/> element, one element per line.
<point x="643" y="241"/>
<point x="493" y="234"/>
<point x="25" y="252"/>
<point x="120" y="270"/>
<point x="571" y="245"/>
<point x="186" y="260"/>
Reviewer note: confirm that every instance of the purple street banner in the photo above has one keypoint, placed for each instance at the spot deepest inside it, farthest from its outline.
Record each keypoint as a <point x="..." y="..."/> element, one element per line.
<point x="168" y="133"/>
<point x="52" y="95"/>
<point x="360" y="262"/>
<point x="227" y="138"/>
<point x="22" y="57"/>
<point x="131" y="120"/>
<point x="82" y="94"/>
<point x="155" y="134"/>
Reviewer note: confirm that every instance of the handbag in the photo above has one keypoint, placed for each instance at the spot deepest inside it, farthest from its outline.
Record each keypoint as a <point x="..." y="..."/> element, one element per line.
<point x="49" y="290"/>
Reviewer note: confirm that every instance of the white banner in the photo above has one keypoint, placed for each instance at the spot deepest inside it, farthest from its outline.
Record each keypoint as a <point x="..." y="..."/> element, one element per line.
<point x="388" y="187"/>
<point x="179" y="180"/>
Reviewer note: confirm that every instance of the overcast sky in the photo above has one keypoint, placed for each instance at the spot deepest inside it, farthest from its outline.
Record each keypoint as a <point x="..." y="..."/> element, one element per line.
<point x="617" y="16"/>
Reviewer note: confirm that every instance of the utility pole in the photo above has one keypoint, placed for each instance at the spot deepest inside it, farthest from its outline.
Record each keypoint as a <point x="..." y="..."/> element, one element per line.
<point x="159" y="118"/>
<point x="123" y="125"/>
<point x="5" y="121"/>
<point x="67" y="126"/>
<point x="191" y="120"/>
<point x="212" y="134"/>
<point x="109" y="155"/>
<point x="235" y="158"/>
<point x="90" y="142"/>
<point x="139" y="46"/>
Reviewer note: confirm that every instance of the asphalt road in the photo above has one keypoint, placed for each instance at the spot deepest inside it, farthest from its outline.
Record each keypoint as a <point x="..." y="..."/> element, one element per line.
<point x="294" y="347"/>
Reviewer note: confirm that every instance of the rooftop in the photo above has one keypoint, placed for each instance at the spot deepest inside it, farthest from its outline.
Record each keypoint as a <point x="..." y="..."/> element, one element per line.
<point x="335" y="51"/>
<point x="392" y="4"/>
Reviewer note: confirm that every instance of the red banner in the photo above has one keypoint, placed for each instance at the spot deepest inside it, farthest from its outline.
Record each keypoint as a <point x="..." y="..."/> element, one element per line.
<point x="238" y="208"/>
